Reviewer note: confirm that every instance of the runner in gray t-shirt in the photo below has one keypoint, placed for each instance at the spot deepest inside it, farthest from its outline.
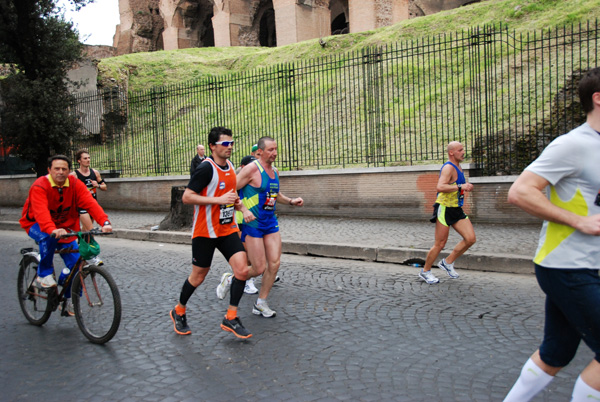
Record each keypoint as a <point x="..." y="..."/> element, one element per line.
<point x="568" y="255"/>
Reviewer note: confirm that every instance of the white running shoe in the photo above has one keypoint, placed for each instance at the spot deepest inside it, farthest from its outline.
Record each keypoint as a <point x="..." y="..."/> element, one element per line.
<point x="428" y="277"/>
<point x="224" y="285"/>
<point x="70" y="311"/>
<point x="449" y="268"/>
<point x="96" y="261"/>
<point x="47" y="281"/>
<point x="250" y="288"/>
<point x="70" y="308"/>
<point x="264" y="310"/>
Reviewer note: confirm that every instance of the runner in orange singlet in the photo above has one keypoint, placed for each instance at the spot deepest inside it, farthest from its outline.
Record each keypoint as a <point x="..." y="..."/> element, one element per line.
<point x="212" y="191"/>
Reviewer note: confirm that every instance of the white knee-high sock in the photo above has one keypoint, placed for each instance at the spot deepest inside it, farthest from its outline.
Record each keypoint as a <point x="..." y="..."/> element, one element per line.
<point x="583" y="392"/>
<point x="531" y="381"/>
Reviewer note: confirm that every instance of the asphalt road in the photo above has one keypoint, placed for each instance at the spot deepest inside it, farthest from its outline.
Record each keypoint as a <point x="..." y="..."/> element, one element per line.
<point x="345" y="330"/>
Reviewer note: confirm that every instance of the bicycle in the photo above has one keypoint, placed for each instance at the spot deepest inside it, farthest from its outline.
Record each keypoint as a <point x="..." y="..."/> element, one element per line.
<point x="95" y="296"/>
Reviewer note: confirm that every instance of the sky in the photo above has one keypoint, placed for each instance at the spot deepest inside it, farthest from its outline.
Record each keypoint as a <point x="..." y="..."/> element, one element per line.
<point x="95" y="22"/>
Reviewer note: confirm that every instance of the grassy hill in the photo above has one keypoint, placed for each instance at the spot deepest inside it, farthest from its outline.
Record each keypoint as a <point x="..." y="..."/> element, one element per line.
<point x="505" y="93"/>
<point x="144" y="70"/>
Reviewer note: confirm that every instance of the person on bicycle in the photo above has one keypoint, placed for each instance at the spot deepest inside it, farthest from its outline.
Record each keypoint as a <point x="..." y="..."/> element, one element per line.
<point x="51" y="209"/>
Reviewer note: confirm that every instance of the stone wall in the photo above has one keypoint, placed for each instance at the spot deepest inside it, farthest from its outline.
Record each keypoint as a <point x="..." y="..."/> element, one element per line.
<point x="85" y="73"/>
<point x="404" y="193"/>
<point x="145" y="193"/>
<point x="98" y="52"/>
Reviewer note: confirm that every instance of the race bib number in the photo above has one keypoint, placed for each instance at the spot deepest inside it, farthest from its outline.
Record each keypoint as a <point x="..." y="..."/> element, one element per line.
<point x="226" y="215"/>
<point x="270" y="202"/>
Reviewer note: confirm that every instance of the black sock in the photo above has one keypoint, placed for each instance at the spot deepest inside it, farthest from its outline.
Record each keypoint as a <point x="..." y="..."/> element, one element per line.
<point x="186" y="292"/>
<point x="237" y="291"/>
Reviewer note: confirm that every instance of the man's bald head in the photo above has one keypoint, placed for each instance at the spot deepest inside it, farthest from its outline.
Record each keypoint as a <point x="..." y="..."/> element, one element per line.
<point x="453" y="146"/>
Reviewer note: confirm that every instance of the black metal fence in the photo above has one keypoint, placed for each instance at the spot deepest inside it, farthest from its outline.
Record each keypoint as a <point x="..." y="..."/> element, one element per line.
<point x="504" y="96"/>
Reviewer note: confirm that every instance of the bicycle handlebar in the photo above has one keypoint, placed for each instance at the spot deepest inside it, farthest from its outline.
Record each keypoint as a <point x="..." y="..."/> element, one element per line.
<point x="94" y="232"/>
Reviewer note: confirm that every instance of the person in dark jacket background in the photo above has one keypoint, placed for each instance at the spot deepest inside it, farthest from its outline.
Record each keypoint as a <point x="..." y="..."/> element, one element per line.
<point x="197" y="159"/>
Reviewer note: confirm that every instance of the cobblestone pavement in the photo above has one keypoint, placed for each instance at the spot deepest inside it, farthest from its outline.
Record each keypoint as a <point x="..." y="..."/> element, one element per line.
<point x="491" y="239"/>
<point x="345" y="330"/>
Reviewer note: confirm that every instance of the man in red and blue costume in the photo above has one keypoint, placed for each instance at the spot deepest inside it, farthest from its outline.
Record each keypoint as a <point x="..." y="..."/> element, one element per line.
<point x="51" y="210"/>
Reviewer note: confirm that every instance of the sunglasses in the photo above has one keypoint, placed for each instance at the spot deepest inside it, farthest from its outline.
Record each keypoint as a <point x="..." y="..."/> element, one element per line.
<point x="60" y="191"/>
<point x="225" y="143"/>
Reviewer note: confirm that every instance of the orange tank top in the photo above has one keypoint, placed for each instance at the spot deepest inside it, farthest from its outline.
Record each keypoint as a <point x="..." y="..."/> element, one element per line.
<point x="216" y="220"/>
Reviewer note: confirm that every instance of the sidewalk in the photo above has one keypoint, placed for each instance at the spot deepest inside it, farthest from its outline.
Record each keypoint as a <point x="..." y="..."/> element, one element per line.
<point x="499" y="248"/>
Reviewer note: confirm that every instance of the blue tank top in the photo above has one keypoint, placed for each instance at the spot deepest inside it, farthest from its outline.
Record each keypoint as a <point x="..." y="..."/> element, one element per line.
<point x="262" y="201"/>
<point x="456" y="198"/>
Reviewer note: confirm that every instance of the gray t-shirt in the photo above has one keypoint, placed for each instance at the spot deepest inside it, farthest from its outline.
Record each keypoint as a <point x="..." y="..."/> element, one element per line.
<point x="571" y="164"/>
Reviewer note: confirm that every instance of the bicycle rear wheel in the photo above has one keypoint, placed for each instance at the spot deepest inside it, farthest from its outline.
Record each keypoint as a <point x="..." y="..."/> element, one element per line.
<point x="97" y="304"/>
<point x="33" y="299"/>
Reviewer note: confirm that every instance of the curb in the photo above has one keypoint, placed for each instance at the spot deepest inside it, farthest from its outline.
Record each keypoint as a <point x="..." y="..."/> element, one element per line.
<point x="10" y="225"/>
<point x="513" y="264"/>
<point x="161" y="236"/>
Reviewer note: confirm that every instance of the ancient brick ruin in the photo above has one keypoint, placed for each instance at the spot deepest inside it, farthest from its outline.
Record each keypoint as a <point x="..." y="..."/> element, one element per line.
<point x="149" y="25"/>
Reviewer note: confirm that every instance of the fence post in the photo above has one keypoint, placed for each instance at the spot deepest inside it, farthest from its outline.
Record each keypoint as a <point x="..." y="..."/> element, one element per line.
<point x="475" y="60"/>
<point x="489" y="62"/>
<point x="288" y="80"/>
<point x="216" y="86"/>
<point x="114" y="121"/>
<point x="372" y="58"/>
<point x="158" y="116"/>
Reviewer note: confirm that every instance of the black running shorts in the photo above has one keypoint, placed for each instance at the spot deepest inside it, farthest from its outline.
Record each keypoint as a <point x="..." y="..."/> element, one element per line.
<point x="203" y="248"/>
<point x="448" y="216"/>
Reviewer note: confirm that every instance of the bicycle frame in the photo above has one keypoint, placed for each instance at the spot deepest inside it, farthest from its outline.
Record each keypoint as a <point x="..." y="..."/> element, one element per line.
<point x="77" y="268"/>
<point x="66" y="285"/>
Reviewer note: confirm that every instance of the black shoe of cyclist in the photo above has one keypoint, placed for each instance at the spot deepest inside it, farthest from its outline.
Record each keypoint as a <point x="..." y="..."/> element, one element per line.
<point x="235" y="326"/>
<point x="180" y="323"/>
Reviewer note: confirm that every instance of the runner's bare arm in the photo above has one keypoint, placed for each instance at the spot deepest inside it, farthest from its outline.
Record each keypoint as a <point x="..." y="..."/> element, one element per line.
<point x="101" y="183"/>
<point x="447" y="176"/>
<point x="245" y="176"/>
<point x="248" y="215"/>
<point x="192" y="197"/>
<point x="527" y="193"/>
<point x="298" y="201"/>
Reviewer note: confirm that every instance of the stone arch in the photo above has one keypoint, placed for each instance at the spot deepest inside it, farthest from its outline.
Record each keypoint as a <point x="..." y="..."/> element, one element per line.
<point x="158" y="41"/>
<point x="265" y="16"/>
<point x="339" y="17"/>
<point x="193" y="18"/>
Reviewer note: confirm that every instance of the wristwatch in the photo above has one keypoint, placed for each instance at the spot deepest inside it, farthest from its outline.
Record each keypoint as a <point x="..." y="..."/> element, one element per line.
<point x="106" y="223"/>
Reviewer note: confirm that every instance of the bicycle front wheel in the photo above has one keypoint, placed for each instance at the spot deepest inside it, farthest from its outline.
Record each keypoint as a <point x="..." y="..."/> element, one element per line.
<point x="97" y="304"/>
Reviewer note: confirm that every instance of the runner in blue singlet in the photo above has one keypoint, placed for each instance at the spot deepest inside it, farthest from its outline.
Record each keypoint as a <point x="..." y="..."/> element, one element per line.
<point x="448" y="212"/>
<point x="259" y="182"/>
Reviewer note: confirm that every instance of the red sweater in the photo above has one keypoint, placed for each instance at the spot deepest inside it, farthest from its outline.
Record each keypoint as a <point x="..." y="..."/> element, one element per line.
<point x="53" y="210"/>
